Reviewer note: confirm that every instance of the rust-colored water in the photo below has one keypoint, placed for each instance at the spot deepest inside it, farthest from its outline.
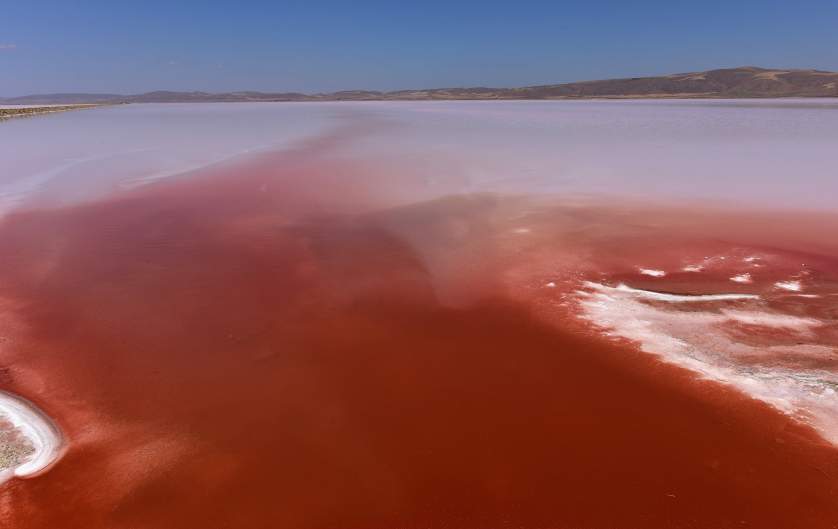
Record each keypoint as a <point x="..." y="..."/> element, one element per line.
<point x="248" y="348"/>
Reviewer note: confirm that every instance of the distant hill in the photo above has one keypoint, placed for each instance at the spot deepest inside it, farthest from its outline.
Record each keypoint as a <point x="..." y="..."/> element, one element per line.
<point x="732" y="82"/>
<point x="745" y="82"/>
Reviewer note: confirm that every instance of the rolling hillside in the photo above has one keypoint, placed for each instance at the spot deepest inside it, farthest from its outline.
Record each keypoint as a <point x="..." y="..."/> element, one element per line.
<point x="744" y="82"/>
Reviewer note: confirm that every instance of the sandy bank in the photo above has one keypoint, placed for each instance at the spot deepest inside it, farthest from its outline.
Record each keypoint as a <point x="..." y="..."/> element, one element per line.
<point x="26" y="111"/>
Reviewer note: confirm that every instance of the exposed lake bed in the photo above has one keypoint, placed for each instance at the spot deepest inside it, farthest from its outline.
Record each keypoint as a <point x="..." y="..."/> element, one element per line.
<point x="29" y="440"/>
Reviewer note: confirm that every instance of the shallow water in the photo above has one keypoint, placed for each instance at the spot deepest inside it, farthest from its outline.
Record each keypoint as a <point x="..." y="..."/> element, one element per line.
<point x="424" y="314"/>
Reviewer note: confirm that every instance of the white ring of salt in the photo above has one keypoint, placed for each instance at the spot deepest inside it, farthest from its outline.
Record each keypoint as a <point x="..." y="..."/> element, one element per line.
<point x="40" y="430"/>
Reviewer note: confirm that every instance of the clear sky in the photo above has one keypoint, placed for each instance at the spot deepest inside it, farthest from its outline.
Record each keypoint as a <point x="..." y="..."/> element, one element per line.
<point x="129" y="47"/>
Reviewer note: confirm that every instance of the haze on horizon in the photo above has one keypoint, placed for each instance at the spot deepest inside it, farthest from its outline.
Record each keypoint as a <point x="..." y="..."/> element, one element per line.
<point x="216" y="46"/>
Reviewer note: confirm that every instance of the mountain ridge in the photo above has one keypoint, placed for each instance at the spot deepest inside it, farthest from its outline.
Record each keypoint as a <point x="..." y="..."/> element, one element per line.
<point x="742" y="82"/>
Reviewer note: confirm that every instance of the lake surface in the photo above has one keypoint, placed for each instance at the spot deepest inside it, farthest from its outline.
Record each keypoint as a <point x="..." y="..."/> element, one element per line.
<point x="434" y="314"/>
<point x="774" y="152"/>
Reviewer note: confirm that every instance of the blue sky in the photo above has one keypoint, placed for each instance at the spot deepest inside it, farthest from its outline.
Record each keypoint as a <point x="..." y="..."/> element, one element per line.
<point x="129" y="47"/>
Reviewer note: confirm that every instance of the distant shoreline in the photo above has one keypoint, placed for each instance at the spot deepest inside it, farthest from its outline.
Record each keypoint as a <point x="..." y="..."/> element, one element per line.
<point x="27" y="111"/>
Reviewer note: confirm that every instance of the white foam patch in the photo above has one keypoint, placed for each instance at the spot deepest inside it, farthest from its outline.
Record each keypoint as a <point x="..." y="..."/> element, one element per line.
<point x="768" y="319"/>
<point x="663" y="296"/>
<point x="742" y="278"/>
<point x="651" y="272"/>
<point x="697" y="340"/>
<point x="791" y="286"/>
<point x="693" y="268"/>
<point x="44" y="435"/>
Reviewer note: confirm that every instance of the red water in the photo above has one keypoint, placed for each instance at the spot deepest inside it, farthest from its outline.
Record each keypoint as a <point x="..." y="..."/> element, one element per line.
<point x="247" y="348"/>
